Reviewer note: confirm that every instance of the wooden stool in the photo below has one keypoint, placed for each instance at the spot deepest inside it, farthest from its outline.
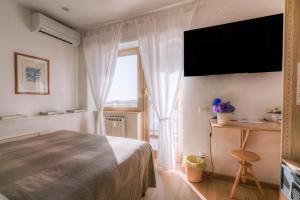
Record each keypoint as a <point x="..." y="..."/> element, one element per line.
<point x="245" y="170"/>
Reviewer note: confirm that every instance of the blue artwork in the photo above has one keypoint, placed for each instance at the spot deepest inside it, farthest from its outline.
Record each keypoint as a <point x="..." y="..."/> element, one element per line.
<point x="33" y="74"/>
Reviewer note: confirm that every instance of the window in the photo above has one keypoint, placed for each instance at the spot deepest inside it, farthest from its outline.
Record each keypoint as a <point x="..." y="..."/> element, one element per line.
<point x="125" y="92"/>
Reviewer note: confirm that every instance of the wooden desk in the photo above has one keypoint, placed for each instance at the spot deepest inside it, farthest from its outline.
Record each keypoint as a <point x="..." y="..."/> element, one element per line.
<point x="247" y="128"/>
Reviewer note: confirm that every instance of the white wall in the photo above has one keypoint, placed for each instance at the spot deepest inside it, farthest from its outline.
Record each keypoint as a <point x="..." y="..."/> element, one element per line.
<point x="251" y="94"/>
<point x="16" y="36"/>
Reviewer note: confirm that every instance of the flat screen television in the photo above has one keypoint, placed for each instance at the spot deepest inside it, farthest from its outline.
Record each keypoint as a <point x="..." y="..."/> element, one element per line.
<point x="248" y="46"/>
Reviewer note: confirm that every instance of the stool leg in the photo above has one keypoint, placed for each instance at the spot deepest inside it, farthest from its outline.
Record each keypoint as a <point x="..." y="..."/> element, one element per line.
<point x="257" y="183"/>
<point x="236" y="181"/>
<point x="244" y="171"/>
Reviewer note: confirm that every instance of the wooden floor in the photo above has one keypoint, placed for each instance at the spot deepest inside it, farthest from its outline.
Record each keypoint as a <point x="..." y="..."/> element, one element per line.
<point x="172" y="185"/>
<point x="215" y="189"/>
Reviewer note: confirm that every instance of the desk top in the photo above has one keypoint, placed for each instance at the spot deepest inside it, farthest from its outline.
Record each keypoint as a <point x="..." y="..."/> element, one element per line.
<point x="264" y="126"/>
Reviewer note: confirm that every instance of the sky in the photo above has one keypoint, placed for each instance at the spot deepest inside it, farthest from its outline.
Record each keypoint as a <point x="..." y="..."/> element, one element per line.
<point x="124" y="85"/>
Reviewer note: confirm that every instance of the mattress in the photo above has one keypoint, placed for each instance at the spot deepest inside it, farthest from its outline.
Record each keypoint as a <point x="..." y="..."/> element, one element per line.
<point x="71" y="166"/>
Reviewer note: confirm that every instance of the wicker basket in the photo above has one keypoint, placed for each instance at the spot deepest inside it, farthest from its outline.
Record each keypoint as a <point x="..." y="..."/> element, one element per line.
<point x="194" y="168"/>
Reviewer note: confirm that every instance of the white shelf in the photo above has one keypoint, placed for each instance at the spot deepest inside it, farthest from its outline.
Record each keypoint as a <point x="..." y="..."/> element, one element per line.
<point x="31" y="117"/>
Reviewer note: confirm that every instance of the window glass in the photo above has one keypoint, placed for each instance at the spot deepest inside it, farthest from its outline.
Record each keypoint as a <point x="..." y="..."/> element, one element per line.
<point x="124" y="88"/>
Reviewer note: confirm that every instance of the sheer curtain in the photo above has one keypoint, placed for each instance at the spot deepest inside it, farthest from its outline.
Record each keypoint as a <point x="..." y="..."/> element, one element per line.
<point x="100" y="49"/>
<point x="160" y="40"/>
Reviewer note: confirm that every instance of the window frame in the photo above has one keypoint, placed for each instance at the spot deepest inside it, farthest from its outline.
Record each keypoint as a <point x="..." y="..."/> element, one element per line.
<point x="141" y="84"/>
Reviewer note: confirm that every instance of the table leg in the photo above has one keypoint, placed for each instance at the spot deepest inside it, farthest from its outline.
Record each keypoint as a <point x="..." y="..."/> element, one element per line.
<point x="245" y="139"/>
<point x="241" y="138"/>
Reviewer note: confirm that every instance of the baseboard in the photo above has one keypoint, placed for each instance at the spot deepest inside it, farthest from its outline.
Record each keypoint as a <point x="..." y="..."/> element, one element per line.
<point x="231" y="179"/>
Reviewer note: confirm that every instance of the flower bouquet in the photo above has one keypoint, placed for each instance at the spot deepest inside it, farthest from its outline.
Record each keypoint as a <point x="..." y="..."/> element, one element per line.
<point x="224" y="110"/>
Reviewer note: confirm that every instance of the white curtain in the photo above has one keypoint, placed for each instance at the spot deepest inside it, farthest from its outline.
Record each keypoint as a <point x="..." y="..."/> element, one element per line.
<point x="160" y="39"/>
<point x="100" y="49"/>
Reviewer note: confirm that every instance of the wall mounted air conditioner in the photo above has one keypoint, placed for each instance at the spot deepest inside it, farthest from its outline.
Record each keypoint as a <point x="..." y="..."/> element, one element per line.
<point x="48" y="26"/>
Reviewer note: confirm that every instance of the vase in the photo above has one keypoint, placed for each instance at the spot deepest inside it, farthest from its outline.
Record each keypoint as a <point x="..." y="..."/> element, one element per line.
<point x="223" y="118"/>
<point x="276" y="117"/>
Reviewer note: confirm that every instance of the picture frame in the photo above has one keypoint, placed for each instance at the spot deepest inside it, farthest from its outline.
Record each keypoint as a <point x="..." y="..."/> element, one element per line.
<point x="32" y="75"/>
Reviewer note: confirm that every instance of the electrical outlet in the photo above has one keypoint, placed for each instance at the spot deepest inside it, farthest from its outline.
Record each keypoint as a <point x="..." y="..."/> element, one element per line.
<point x="202" y="154"/>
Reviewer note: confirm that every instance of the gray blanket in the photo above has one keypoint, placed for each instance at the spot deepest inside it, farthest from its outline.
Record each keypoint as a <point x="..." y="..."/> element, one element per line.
<point x="71" y="166"/>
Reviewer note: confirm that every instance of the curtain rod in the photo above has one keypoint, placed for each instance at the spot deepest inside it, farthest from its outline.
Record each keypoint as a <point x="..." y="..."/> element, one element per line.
<point x="127" y="20"/>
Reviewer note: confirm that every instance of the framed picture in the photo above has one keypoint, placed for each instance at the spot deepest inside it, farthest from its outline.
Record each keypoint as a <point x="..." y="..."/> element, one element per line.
<point x="31" y="75"/>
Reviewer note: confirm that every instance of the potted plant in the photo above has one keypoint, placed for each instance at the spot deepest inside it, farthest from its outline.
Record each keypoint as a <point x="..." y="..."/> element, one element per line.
<point x="224" y="111"/>
<point x="275" y="114"/>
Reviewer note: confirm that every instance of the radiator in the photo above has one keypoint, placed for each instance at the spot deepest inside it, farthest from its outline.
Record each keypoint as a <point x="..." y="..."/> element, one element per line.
<point x="115" y="126"/>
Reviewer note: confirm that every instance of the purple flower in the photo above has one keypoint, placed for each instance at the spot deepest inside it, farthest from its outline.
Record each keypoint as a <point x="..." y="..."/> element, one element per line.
<point x="216" y="101"/>
<point x="216" y="109"/>
<point x="223" y="108"/>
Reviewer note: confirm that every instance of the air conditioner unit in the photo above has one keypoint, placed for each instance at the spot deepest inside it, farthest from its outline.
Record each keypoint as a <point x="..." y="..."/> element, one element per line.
<point x="48" y="26"/>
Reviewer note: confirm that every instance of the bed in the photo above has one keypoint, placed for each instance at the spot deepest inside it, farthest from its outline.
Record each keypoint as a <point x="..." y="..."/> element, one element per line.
<point x="68" y="165"/>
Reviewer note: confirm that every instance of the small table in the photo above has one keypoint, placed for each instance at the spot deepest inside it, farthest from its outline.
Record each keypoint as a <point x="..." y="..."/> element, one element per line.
<point x="248" y="127"/>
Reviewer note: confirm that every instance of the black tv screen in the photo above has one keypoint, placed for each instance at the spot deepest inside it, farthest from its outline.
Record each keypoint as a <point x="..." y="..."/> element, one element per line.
<point x="248" y="46"/>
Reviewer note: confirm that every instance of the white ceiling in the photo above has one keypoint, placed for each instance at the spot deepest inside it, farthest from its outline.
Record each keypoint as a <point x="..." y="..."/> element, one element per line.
<point x="88" y="14"/>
